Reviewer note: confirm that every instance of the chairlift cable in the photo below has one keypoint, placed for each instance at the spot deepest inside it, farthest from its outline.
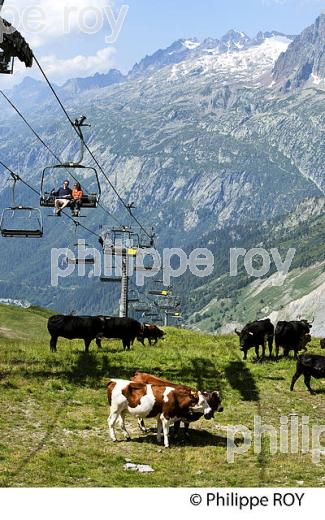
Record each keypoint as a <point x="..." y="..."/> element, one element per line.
<point x="87" y="147"/>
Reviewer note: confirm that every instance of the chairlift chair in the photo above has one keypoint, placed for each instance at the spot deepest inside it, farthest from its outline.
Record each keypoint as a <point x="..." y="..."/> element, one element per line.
<point x="111" y="279"/>
<point x="6" y="63"/>
<point x="73" y="168"/>
<point x="142" y="309"/>
<point x="75" y="260"/>
<point x="20" y="221"/>
<point x="133" y="297"/>
<point x="123" y="242"/>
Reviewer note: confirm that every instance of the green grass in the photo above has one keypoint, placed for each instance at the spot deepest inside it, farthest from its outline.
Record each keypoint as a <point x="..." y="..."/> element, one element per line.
<point x="54" y="411"/>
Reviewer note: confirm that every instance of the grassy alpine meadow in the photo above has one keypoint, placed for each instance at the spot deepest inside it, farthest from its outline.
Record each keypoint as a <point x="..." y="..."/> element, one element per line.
<point x="54" y="412"/>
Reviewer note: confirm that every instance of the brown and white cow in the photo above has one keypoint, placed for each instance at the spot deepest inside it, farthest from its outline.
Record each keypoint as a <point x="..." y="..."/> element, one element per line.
<point x="213" y="400"/>
<point x="141" y="400"/>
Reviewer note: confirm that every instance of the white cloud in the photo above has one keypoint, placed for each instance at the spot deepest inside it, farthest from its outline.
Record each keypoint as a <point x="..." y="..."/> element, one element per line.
<point x="59" y="70"/>
<point x="42" y="21"/>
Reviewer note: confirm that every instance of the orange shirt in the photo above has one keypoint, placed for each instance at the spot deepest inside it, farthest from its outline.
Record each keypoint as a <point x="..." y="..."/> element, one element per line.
<point x="77" y="194"/>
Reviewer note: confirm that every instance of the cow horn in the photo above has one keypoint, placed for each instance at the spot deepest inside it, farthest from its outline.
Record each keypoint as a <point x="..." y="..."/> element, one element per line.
<point x="237" y="332"/>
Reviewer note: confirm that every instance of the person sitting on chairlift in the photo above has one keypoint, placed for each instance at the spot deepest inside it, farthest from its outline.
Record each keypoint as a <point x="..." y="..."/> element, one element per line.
<point x="76" y="202"/>
<point x="62" y="198"/>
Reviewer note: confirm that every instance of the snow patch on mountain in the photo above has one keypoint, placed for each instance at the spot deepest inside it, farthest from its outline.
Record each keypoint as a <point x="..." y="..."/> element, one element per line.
<point x="251" y="62"/>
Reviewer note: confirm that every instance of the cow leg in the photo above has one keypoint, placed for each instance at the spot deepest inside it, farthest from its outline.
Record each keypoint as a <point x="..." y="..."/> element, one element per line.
<point x="295" y="378"/>
<point x="53" y="343"/>
<point x="186" y="428"/>
<point x="142" y="426"/>
<point x="165" y="426"/>
<point x="121" y="421"/>
<point x="99" y="342"/>
<point x="270" y="344"/>
<point x="307" y="378"/>
<point x="257" y="352"/>
<point x="87" y="344"/>
<point x="126" y="344"/>
<point x="263" y="348"/>
<point x="113" y="417"/>
<point x="277" y="348"/>
<point x="159" y="430"/>
<point x="177" y="425"/>
<point x="150" y="342"/>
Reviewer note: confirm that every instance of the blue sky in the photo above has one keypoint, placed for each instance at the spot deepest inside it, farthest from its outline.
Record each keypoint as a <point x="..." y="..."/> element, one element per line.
<point x="153" y="24"/>
<point x="148" y="25"/>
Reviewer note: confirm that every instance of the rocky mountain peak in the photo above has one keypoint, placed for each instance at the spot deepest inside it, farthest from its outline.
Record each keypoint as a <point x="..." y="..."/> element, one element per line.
<point x="304" y="60"/>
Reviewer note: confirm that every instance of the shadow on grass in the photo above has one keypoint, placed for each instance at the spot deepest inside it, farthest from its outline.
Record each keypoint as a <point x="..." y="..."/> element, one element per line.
<point x="88" y="370"/>
<point x="240" y="378"/>
<point x="197" y="439"/>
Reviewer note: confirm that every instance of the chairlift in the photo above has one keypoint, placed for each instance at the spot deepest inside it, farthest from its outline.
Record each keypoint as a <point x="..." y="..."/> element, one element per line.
<point x="159" y="289"/>
<point x="20" y="221"/>
<point x="12" y="44"/>
<point x="151" y="314"/>
<point x="144" y="239"/>
<point x="76" y="260"/>
<point x="75" y="170"/>
<point x="6" y="63"/>
<point x="133" y="296"/>
<point x="142" y="309"/>
<point x="111" y="279"/>
<point x="121" y="241"/>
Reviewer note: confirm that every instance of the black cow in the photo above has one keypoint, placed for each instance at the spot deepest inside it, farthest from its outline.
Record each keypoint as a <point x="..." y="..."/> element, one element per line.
<point x="292" y="335"/>
<point x="75" y="327"/>
<point x="310" y="365"/>
<point x="126" y="329"/>
<point x="256" y="334"/>
<point x="152" y="333"/>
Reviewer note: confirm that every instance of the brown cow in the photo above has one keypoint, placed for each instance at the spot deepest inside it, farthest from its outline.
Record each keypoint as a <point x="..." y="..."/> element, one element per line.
<point x="213" y="399"/>
<point x="140" y="400"/>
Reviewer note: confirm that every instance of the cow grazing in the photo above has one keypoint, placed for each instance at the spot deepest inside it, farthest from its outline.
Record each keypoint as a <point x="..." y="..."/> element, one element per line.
<point x="322" y="343"/>
<point x="213" y="400"/>
<point x="126" y="329"/>
<point x="140" y="400"/>
<point x="256" y="334"/>
<point x="292" y="335"/>
<point x="75" y="327"/>
<point x="152" y="333"/>
<point x="310" y="365"/>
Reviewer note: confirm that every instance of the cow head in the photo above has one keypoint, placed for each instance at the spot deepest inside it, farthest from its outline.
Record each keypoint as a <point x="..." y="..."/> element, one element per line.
<point x="307" y="324"/>
<point x="202" y="404"/>
<point x="214" y="400"/>
<point x="246" y="340"/>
